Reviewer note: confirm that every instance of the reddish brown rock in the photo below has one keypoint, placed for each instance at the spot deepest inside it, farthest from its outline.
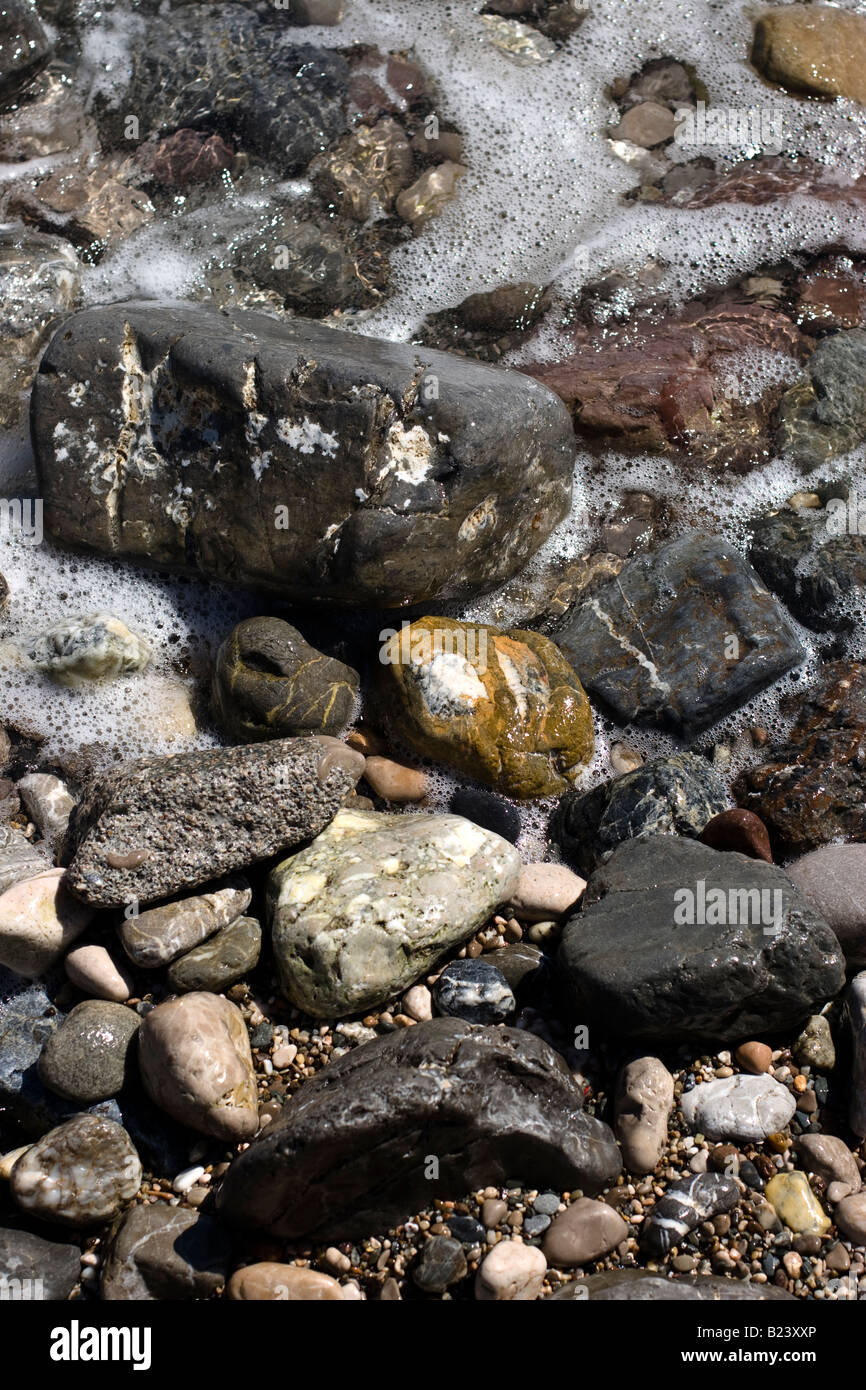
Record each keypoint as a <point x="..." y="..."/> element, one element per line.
<point x="756" y="181"/>
<point x="741" y="831"/>
<point x="189" y="157"/>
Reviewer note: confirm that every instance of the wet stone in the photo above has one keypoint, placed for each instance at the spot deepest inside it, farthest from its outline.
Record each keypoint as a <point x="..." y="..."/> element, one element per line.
<point x="161" y="1252"/>
<point x="90" y="1056"/>
<point x="39" y="281"/>
<point x="832" y="880"/>
<point x="684" y="1206"/>
<point x="24" y="45"/>
<point x="442" y="1263"/>
<point x="818" y="49"/>
<point x="95" y="647"/>
<point x="741" y="831"/>
<point x="813" y="561"/>
<point x="79" y="1174"/>
<point x="641" y="1285"/>
<point x="161" y="934"/>
<point x="475" y="991"/>
<point x="44" y="1269"/>
<point x="738" y="1107"/>
<point x="219" y="963"/>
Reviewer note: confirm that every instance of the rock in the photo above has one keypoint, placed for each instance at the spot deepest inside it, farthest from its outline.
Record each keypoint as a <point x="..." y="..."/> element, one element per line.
<point x="810" y="790"/>
<point x="79" y="1174"/>
<point x="545" y="891"/>
<point x="830" y="1158"/>
<point x="418" y="1003"/>
<point x="189" y="157"/>
<point x="162" y="1252"/>
<point x="460" y="485"/>
<point x="818" y="49"/>
<point x="855" y="1013"/>
<point x="95" y="647"/>
<point x="503" y="707"/>
<point x="814" y="1047"/>
<point x="352" y="1152"/>
<point x="819" y="417"/>
<point x="19" y="860"/>
<point x="811" y="559"/>
<point x="796" y="1203"/>
<point x="366" y="171"/>
<point x="681" y="638"/>
<point x="220" y="962"/>
<point x="646" y="124"/>
<point x="315" y="11"/>
<point x="676" y="795"/>
<point x="722" y="945"/>
<point x="90" y="1056"/>
<point x="376" y="900"/>
<point x="738" y="1107"/>
<point x="490" y="812"/>
<point x="39" y="282"/>
<point x="49" y="117"/>
<point x="394" y="782"/>
<point x="754" y="1057"/>
<point x="519" y="42"/>
<point x="526" y="969"/>
<point x="429" y="194"/>
<point x="684" y="1206"/>
<point x="161" y="825"/>
<point x="47" y="802"/>
<point x="286" y="1282"/>
<point x="642" y="1286"/>
<point x="307" y="266"/>
<point x="644" y="1100"/>
<point x="832" y="879"/>
<point x="32" y="1268"/>
<point x="442" y="1264"/>
<point x="39" y="919"/>
<point x="850" y="1217"/>
<point x="93" y="970"/>
<point x="583" y="1232"/>
<point x="511" y="1272"/>
<point x="161" y="934"/>
<point x="475" y="991"/>
<point x="741" y="831"/>
<point x="86" y="204"/>
<point x="196" y="1064"/>
<point x="270" y="683"/>
<point x="506" y="309"/>
<point x="24" y="45"/>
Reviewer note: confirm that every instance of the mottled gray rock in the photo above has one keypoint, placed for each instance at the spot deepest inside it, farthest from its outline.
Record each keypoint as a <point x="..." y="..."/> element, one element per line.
<point x="344" y="475"/>
<point x="18" y="858"/>
<point x="475" y="991"/>
<point x="43" y="1269"/>
<point x="644" y="1100"/>
<point x="24" y="44"/>
<point x="810" y="559"/>
<point x="814" y="1047"/>
<point x="47" y="802"/>
<point x="355" y="1151"/>
<point x="376" y="900"/>
<point x="78" y="651"/>
<point x="442" y="1263"/>
<point x="641" y="1286"/>
<point x="79" y="1174"/>
<point x="825" y="414"/>
<point x="738" y="1107"/>
<point x="684" y="1206"/>
<point x="833" y="880"/>
<point x="220" y="962"/>
<point x="855" y="1012"/>
<point x="679" y="940"/>
<point x="90" y="1056"/>
<point x="163" y="933"/>
<point x="681" y="637"/>
<point x="155" y="827"/>
<point x="270" y="683"/>
<point x="160" y="1252"/>
<point x="676" y="795"/>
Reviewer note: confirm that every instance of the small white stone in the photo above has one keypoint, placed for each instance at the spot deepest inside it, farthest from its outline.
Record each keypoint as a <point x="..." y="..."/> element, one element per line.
<point x="738" y="1107"/>
<point x="187" y="1179"/>
<point x="512" y="1272"/>
<point x="418" y="1003"/>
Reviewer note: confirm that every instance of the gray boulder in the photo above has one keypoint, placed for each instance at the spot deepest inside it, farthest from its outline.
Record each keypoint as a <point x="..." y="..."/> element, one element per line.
<point x="35" y="1269"/>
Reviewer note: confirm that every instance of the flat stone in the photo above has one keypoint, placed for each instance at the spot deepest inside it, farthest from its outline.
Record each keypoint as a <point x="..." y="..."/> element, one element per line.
<point x="647" y="957"/>
<point x="376" y="900"/>
<point x="818" y="49"/>
<point x="475" y="991"/>
<point x="545" y="891"/>
<point x="585" y="1231"/>
<point x="642" y="1286"/>
<point x="94" y="971"/>
<point x="646" y="124"/>
<point x="832" y="879"/>
<point x="288" y="1283"/>
<point x="91" y="1055"/>
<point x="361" y="487"/>
<point x="196" y="1064"/>
<point x="644" y="1100"/>
<point x="442" y="1263"/>
<point x="162" y="825"/>
<point x="39" y="919"/>
<point x="352" y="1153"/>
<point x="162" y="1252"/>
<point x="163" y="933"/>
<point x="684" y="1206"/>
<point x="79" y="1174"/>
<point x="512" y="1272"/>
<point x="850" y="1217"/>
<point x="220" y="962"/>
<point x="830" y="1158"/>
<point x="44" y="1269"/>
<point x="855" y="1013"/>
<point x="503" y="707"/>
<point x="738" y="1107"/>
<point x="812" y="559"/>
<point x="796" y="1203"/>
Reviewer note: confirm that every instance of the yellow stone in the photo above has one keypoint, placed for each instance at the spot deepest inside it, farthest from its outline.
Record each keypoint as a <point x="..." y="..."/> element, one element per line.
<point x="796" y="1204"/>
<point x="817" y="49"/>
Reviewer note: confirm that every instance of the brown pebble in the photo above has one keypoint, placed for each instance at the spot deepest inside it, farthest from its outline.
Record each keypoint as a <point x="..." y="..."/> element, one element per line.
<point x="741" y="831"/>
<point x="492" y="1212"/>
<point x="394" y="782"/>
<point x="754" y="1057"/>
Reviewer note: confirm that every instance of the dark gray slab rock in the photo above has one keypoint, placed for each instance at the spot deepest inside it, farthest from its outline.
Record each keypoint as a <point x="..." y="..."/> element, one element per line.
<point x="638" y="961"/>
<point x="351" y="470"/>
<point x="33" y="1268"/>
<point x="159" y="1252"/>
<point x="90" y="1057"/>
<point x="220" y="962"/>
<point x="813" y="562"/>
<point x="353" y="1153"/>
<point x="825" y="414"/>
<point x="681" y="637"/>
<point x="24" y="45"/>
<point x="154" y="827"/>
<point x="639" y="1285"/>
<point x="668" y="796"/>
<point x="684" y="1206"/>
<point x="219" y="68"/>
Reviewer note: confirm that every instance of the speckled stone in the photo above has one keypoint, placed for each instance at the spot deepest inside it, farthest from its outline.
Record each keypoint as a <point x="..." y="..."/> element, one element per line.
<point x="288" y="1283"/>
<point x="511" y="1272"/>
<point x="163" y="1252"/>
<point x="795" y="1202"/>
<point x="583" y="1232"/>
<point x="475" y="991"/>
<point x="644" y="1100"/>
<point x="91" y="1055"/>
<point x="738" y="1107"/>
<point x="376" y="900"/>
<point x="79" y="1174"/>
<point x="161" y="934"/>
<point x="814" y="1047"/>
<point x="442" y="1264"/>
<point x="220" y="962"/>
<point x="47" y="802"/>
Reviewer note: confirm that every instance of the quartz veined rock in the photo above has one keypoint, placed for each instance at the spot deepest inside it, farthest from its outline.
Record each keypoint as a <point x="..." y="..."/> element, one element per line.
<point x="163" y="933"/>
<point x="163" y="1252"/>
<point x="684" y="1206"/>
<point x="351" y="470"/>
<point x="79" y="1174"/>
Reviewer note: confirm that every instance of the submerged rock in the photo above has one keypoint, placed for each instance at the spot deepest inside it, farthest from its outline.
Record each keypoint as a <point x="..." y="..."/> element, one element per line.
<point x="825" y="414"/>
<point x="24" y="45"/>
<point x="818" y="49"/>
<point x="39" y="281"/>
<point x="813" y="561"/>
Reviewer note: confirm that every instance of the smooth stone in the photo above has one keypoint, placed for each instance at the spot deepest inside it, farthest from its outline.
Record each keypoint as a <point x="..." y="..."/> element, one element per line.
<point x="78" y="651"/>
<point x="644" y="1101"/>
<point x="545" y="891"/>
<point x="584" y="1231"/>
<point x="738" y="1107"/>
<point x="814" y="1047"/>
<point x="269" y="682"/>
<point x="684" y="1206"/>
<point x="196" y="1064"/>
<point x="394" y="782"/>
<point x="487" y="1103"/>
<point x="376" y="900"/>
<point x="163" y="1252"/>
<point x="219" y="963"/>
<point x="34" y="1268"/>
<point x="79" y="1174"/>
<point x="92" y="969"/>
<point x="475" y="991"/>
<point x="91" y="1055"/>
<point x="814" y="564"/>
<point x="738" y="830"/>
<point x="646" y="124"/>
<point x="795" y="1202"/>
<point x="754" y="1057"/>
<point x="39" y="919"/>
<point x="8" y="1161"/>
<point x="161" y="934"/>
<point x="855" y="1014"/>
<point x="830" y="1158"/>
<point x="47" y="801"/>
<point x="261" y="1282"/>
<point x="418" y="1003"/>
<point x="488" y="811"/>
<point x="442" y="1264"/>
<point x="19" y="859"/>
<point x="850" y="1216"/>
<point x="493" y="1210"/>
<point x="643" y="1286"/>
<point x="525" y="967"/>
<point x="511" y="1272"/>
<point x="819" y="49"/>
<point x="833" y="880"/>
<point x="164" y="825"/>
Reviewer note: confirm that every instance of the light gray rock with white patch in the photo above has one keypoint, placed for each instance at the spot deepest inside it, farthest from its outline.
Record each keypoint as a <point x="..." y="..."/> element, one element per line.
<point x="78" y="651"/>
<point x="738" y="1107"/>
<point x="684" y="1206"/>
<point x="47" y="801"/>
